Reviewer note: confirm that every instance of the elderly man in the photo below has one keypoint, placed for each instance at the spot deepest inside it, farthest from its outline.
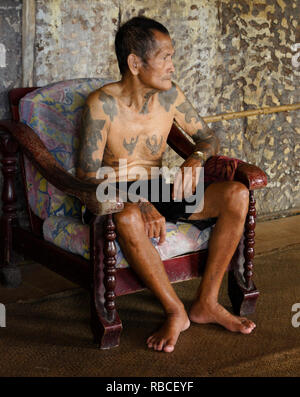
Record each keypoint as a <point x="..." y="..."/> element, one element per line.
<point x="130" y="120"/>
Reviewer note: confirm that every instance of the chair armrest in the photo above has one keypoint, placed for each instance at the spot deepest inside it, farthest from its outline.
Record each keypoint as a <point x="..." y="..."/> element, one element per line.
<point x="43" y="160"/>
<point x="251" y="176"/>
<point x="179" y="142"/>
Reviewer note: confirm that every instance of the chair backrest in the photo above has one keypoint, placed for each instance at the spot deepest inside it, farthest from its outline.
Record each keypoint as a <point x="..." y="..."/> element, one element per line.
<point x="54" y="113"/>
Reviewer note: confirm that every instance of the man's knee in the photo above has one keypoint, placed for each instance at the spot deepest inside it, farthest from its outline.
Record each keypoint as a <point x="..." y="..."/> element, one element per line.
<point x="128" y="219"/>
<point x="236" y="197"/>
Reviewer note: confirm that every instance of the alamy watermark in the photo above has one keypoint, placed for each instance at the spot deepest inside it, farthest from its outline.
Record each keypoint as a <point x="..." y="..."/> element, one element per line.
<point x="2" y="316"/>
<point x="296" y="317"/>
<point x="160" y="192"/>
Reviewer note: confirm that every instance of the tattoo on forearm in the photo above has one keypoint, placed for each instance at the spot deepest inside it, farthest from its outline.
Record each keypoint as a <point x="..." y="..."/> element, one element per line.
<point x="147" y="97"/>
<point x="154" y="147"/>
<point x="90" y="142"/>
<point x="206" y="141"/>
<point x="202" y="135"/>
<point x="109" y="105"/>
<point x="167" y="98"/>
<point x="131" y="145"/>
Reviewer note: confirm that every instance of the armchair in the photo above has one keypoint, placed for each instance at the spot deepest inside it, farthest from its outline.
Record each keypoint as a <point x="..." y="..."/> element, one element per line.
<point x="43" y="135"/>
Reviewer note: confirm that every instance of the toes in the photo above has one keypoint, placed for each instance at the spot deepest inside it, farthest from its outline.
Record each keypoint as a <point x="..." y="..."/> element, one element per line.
<point x="247" y="325"/>
<point x="150" y="340"/>
<point x="169" y="348"/>
<point x="160" y="344"/>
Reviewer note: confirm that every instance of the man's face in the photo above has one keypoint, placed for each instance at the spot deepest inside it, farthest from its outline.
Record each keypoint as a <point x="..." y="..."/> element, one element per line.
<point x="157" y="73"/>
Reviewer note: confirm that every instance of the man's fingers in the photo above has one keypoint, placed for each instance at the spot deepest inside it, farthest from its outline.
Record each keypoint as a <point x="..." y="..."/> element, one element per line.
<point x="150" y="230"/>
<point x="156" y="230"/>
<point x="177" y="187"/>
<point x="163" y="234"/>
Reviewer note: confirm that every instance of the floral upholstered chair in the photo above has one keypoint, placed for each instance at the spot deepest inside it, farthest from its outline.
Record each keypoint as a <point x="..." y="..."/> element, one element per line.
<point x="45" y="131"/>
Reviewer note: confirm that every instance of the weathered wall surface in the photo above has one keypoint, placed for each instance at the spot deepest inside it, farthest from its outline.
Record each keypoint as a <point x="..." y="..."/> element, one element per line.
<point x="10" y="68"/>
<point x="230" y="56"/>
<point x="10" y="50"/>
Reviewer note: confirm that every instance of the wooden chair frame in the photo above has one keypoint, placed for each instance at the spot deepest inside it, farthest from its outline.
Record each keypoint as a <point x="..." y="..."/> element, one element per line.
<point x="99" y="274"/>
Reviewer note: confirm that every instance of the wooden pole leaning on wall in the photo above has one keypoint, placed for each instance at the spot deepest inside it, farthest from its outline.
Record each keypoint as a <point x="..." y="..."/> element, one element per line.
<point x="249" y="113"/>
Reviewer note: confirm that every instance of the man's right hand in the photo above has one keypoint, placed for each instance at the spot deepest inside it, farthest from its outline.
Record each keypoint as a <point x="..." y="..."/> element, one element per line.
<point x="155" y="223"/>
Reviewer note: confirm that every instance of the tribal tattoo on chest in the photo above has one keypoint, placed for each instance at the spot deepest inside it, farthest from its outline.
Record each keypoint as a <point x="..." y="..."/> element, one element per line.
<point x="153" y="145"/>
<point x="131" y="145"/>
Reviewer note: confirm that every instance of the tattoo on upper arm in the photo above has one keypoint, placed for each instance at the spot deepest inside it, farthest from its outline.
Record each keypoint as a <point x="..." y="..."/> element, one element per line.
<point x="167" y="98"/>
<point x="109" y="105"/>
<point x="154" y="147"/>
<point x="189" y="112"/>
<point x="131" y="145"/>
<point x="90" y="141"/>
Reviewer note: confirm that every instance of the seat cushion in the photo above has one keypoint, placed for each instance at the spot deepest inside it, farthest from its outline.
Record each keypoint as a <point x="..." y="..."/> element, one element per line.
<point x="72" y="235"/>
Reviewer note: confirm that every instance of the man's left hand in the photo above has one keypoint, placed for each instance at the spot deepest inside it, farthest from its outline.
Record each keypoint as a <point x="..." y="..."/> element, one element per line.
<point x="185" y="182"/>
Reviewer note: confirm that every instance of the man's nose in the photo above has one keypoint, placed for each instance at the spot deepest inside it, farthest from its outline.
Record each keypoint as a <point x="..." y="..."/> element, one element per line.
<point x="171" y="67"/>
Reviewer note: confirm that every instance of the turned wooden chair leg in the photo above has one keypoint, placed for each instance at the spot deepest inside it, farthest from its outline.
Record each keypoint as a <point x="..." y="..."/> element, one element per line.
<point x="105" y="322"/>
<point x="241" y="288"/>
<point x="10" y="273"/>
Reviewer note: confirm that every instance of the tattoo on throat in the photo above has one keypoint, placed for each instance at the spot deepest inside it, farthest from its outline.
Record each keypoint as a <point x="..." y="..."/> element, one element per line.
<point x="131" y="145"/>
<point x="109" y="105"/>
<point x="147" y="97"/>
<point x="153" y="146"/>
<point x="167" y="98"/>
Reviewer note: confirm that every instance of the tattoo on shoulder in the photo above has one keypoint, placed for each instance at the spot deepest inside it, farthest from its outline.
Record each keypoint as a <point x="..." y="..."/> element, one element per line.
<point x="90" y="141"/>
<point x="189" y="112"/>
<point x="167" y="98"/>
<point x="109" y="105"/>
<point x="154" y="146"/>
<point x="131" y="145"/>
<point x="147" y="97"/>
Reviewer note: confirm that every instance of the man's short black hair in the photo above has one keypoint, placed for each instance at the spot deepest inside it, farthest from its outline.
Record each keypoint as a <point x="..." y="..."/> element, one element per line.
<point x="136" y="36"/>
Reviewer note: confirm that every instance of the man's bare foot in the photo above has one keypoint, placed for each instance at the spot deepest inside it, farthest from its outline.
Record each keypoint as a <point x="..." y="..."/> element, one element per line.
<point x="166" y="337"/>
<point x="208" y="313"/>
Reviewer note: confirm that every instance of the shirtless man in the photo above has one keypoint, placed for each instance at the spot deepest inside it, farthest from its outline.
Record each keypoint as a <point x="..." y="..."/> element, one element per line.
<point x="131" y="120"/>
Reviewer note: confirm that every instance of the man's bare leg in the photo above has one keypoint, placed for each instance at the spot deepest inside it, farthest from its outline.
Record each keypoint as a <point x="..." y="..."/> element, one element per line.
<point x="146" y="262"/>
<point x="228" y="201"/>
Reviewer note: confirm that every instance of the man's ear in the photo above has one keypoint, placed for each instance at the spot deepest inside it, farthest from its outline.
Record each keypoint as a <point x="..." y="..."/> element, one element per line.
<point x="134" y="63"/>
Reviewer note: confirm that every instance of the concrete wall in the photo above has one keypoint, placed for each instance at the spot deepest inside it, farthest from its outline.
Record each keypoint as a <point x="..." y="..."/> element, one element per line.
<point x="10" y="70"/>
<point x="10" y="50"/>
<point x="230" y="56"/>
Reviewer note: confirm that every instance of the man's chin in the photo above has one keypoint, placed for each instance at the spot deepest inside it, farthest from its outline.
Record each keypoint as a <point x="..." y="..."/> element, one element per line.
<point x="167" y="84"/>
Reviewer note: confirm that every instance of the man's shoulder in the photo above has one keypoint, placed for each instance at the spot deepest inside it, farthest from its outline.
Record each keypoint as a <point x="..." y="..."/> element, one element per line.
<point x="104" y="93"/>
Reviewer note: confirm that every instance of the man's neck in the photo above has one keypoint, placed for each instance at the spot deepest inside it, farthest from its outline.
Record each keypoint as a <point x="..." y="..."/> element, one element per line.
<point x="136" y="95"/>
